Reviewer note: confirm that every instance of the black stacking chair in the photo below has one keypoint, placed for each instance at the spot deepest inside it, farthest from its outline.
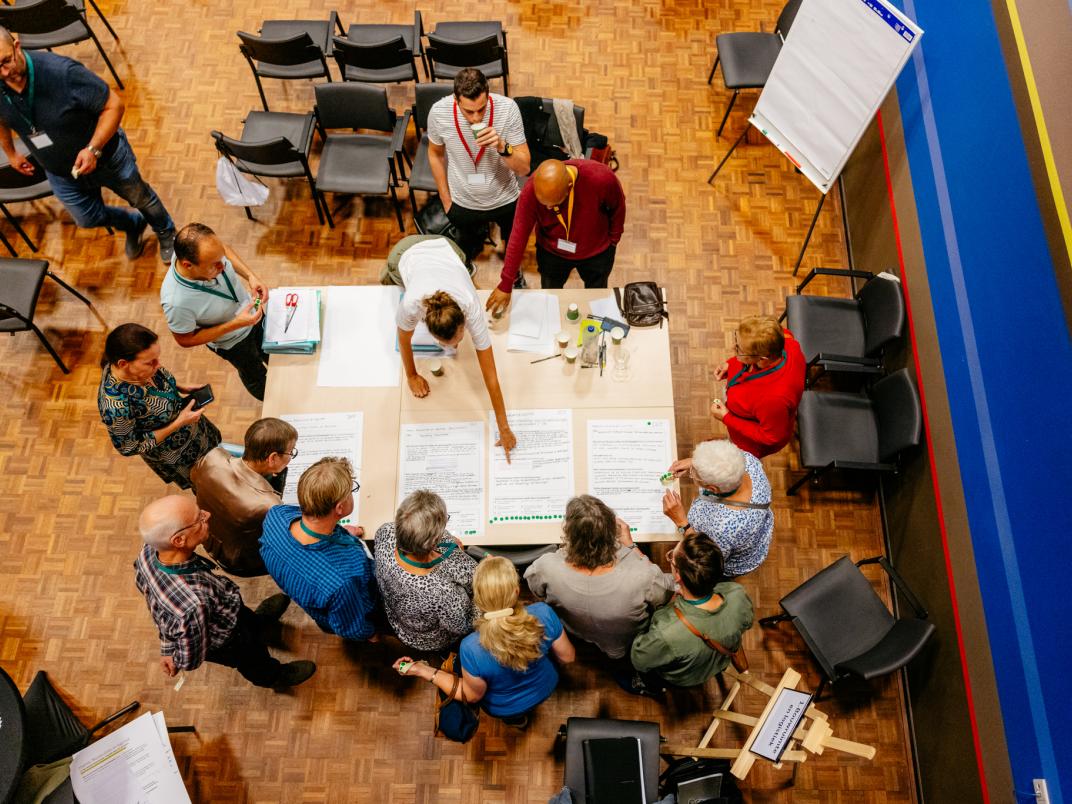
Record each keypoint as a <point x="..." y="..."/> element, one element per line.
<point x="865" y="431"/>
<point x="579" y="729"/>
<point x="290" y="50"/>
<point x="848" y="628"/>
<point x="358" y="164"/>
<point x="52" y="729"/>
<point x="448" y="53"/>
<point x="388" y="62"/>
<point x="520" y="557"/>
<point x="376" y="33"/>
<point x="16" y="187"/>
<point x="847" y="335"/>
<point x="47" y="24"/>
<point x="747" y="57"/>
<point x="20" y="286"/>
<point x="275" y="145"/>
<point x="420" y="175"/>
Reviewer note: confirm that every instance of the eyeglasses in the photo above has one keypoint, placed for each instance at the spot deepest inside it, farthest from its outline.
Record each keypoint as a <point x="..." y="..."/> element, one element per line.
<point x="357" y="487"/>
<point x="737" y="348"/>
<point x="202" y="516"/>
<point x="294" y="453"/>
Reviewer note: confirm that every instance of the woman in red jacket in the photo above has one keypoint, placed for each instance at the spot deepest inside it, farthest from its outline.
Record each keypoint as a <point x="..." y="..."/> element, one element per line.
<point x="764" y="383"/>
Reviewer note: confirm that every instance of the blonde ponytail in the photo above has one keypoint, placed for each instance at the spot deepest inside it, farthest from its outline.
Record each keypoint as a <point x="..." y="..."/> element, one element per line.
<point x="513" y="639"/>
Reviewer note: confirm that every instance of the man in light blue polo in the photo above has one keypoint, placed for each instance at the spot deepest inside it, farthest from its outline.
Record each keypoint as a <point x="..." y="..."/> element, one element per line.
<point x="206" y="302"/>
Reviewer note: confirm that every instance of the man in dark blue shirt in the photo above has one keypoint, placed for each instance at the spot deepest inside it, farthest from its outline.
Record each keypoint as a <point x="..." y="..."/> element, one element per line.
<point x="68" y="119"/>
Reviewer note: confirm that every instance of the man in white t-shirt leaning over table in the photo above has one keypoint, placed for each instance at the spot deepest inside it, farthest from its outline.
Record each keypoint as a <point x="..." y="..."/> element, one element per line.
<point x="440" y="293"/>
<point x="476" y="173"/>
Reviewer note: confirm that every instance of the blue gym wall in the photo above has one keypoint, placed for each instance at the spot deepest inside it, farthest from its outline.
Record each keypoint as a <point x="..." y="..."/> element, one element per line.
<point x="1007" y="358"/>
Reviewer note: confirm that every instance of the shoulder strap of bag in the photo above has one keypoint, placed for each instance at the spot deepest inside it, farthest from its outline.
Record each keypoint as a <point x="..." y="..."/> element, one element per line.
<point x="706" y="639"/>
<point x="742" y="504"/>
<point x="618" y="298"/>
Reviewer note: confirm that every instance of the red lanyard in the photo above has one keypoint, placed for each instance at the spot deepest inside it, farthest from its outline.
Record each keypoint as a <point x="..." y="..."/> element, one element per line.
<point x="458" y="126"/>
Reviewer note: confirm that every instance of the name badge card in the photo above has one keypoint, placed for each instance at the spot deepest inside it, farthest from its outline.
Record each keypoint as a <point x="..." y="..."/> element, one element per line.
<point x="41" y="140"/>
<point x="567" y="246"/>
<point x="477" y="178"/>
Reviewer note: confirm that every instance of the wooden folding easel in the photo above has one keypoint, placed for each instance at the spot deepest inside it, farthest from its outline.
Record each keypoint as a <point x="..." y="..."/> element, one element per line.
<point x="814" y="735"/>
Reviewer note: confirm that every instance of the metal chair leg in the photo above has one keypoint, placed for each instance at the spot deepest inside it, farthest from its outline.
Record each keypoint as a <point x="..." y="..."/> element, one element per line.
<point x="796" y="486"/>
<point x="104" y="19"/>
<point x="726" y="116"/>
<point x="249" y="213"/>
<point x="713" y="68"/>
<point x="8" y="246"/>
<point x="774" y="619"/>
<point x="107" y="61"/>
<point x="22" y="232"/>
<point x="398" y="209"/>
<point x="41" y="337"/>
<point x="321" y="201"/>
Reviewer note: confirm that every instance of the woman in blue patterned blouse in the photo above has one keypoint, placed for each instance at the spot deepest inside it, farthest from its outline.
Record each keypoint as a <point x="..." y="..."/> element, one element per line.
<point x="140" y="404"/>
<point x="733" y="506"/>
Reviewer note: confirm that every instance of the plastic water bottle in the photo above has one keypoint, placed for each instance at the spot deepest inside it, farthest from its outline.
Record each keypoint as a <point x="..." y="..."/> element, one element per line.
<point x="590" y="346"/>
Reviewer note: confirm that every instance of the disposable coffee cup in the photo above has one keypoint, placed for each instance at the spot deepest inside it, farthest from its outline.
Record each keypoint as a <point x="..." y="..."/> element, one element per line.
<point x="616" y="335"/>
<point x="571" y="354"/>
<point x="476" y="128"/>
<point x="436" y="367"/>
<point x="573" y="312"/>
<point x="563" y="339"/>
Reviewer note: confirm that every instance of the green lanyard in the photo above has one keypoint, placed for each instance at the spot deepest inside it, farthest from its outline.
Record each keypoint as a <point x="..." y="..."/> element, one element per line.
<point x="446" y="548"/>
<point x="186" y="283"/>
<point x="333" y="538"/>
<point x="758" y="374"/>
<point x="29" y="95"/>
<point x="698" y="601"/>
<point x="197" y="564"/>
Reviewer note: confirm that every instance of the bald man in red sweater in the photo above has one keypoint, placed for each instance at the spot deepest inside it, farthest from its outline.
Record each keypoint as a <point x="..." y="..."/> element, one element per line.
<point x="764" y="383"/>
<point x="578" y="210"/>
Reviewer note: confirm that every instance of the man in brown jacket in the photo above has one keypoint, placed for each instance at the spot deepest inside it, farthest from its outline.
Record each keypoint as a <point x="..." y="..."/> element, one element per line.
<point x="239" y="491"/>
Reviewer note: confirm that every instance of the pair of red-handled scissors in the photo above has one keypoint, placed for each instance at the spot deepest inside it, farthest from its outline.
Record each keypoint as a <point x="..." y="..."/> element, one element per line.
<point x="291" y="303"/>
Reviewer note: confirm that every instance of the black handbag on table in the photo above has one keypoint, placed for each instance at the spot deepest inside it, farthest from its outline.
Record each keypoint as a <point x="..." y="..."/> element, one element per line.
<point x="642" y="304"/>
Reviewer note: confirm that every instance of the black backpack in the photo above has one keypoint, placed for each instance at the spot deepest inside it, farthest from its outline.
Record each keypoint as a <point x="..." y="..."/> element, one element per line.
<point x="432" y="219"/>
<point x="642" y="304"/>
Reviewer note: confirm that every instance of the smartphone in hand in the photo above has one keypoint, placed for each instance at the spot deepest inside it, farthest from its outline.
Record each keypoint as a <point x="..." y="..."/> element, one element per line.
<point x="200" y="397"/>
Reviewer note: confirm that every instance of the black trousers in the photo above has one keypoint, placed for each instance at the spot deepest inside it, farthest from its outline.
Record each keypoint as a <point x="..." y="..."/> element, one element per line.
<point x="467" y="220"/>
<point x="555" y="270"/>
<point x="250" y="359"/>
<point x="246" y="652"/>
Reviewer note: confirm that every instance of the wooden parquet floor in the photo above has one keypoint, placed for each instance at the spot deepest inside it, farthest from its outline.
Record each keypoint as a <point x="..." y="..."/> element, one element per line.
<point x="356" y="732"/>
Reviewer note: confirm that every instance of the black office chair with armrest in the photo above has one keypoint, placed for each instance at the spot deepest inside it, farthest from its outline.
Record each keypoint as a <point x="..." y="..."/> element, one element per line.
<point x="387" y="62"/>
<point x="46" y="24"/>
<point x="520" y="557"/>
<point x="373" y="33"/>
<point x="866" y="431"/>
<point x="747" y="57"/>
<point x="275" y="145"/>
<point x="290" y="50"/>
<point x="579" y="729"/>
<point x="420" y="175"/>
<point x="358" y="164"/>
<point x="16" y="187"/>
<point x="847" y="335"/>
<point x="848" y="628"/>
<point x="448" y="54"/>
<point x="20" y="286"/>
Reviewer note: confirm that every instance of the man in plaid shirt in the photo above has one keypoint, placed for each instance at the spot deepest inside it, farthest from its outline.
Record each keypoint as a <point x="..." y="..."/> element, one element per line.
<point x="200" y="614"/>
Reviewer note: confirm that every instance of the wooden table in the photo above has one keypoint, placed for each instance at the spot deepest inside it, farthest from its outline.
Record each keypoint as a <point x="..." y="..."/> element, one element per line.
<point x="459" y="395"/>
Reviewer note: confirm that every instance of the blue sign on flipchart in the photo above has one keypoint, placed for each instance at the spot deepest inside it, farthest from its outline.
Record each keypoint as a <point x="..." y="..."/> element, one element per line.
<point x="890" y="19"/>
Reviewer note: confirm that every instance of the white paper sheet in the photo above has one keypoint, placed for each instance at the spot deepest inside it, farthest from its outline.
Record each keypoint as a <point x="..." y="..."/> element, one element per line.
<point x="606" y="308"/>
<point x="132" y="765"/>
<point x="358" y="350"/>
<point x="533" y="312"/>
<point x="323" y="435"/>
<point x="538" y="482"/>
<point x="626" y="457"/>
<point x="447" y="458"/>
<point x="305" y="326"/>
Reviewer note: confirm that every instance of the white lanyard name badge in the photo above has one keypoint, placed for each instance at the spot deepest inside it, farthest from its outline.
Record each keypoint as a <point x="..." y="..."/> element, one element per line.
<point x="564" y="243"/>
<point x="475" y="178"/>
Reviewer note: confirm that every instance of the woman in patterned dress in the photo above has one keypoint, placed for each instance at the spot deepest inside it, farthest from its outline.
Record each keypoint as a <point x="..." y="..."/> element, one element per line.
<point x="140" y="404"/>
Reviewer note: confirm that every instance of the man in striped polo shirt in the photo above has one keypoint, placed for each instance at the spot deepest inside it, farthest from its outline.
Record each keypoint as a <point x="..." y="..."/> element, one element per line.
<point x="476" y="152"/>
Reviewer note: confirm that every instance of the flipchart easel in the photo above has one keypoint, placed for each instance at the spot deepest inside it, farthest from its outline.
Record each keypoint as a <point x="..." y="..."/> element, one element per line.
<point x="814" y="735"/>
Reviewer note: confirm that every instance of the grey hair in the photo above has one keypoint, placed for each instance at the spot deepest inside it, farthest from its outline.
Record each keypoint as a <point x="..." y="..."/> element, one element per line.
<point x="719" y="463"/>
<point x="420" y="522"/>
<point x="161" y="519"/>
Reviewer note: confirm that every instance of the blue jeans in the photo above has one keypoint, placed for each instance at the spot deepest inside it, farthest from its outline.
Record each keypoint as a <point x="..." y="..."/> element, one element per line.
<point x="119" y="173"/>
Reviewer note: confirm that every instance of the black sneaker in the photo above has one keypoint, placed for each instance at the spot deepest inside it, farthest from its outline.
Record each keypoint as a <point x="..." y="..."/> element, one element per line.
<point x="167" y="245"/>
<point x="135" y="244"/>
<point x="520" y="722"/>
<point x="519" y="283"/>
<point x="272" y="608"/>
<point x="294" y="673"/>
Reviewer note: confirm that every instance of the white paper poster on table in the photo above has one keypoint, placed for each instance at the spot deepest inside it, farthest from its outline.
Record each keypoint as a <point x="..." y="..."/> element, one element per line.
<point x="626" y="458"/>
<point x="837" y="65"/>
<point x="447" y="458"/>
<point x="358" y="348"/>
<point x="324" y="435"/>
<point x="534" y="322"/>
<point x="538" y="482"/>
<point x="132" y="765"/>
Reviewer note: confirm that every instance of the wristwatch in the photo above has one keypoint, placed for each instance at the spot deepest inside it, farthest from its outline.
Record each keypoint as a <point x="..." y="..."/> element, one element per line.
<point x="508" y="152"/>
<point x="682" y="528"/>
<point x="95" y="151"/>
